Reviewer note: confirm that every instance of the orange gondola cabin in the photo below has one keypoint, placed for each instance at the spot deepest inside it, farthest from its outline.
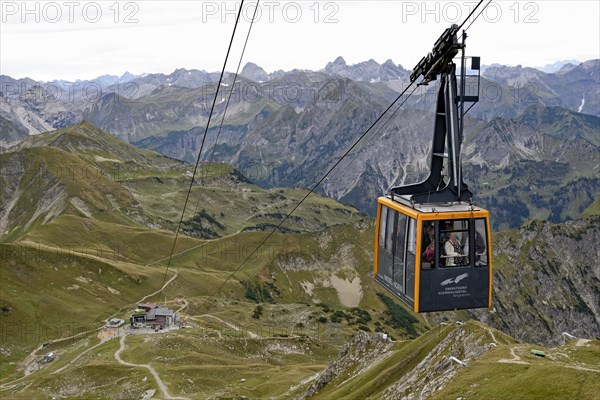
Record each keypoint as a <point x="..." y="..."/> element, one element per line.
<point x="434" y="258"/>
<point x="433" y="245"/>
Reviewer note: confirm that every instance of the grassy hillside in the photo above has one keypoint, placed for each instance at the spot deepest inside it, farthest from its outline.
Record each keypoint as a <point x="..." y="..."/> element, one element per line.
<point x="568" y="372"/>
<point x="224" y="202"/>
<point x="84" y="241"/>
<point x="268" y="321"/>
<point x="216" y="361"/>
<point x="546" y="281"/>
<point x="81" y="170"/>
<point x="48" y="293"/>
<point x="42" y="183"/>
<point x="593" y="209"/>
<point x="562" y="122"/>
<point x="530" y="189"/>
<point x="497" y="367"/>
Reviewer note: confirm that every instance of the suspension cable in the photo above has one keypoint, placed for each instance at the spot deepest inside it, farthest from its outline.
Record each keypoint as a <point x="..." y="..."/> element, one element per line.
<point x="330" y="170"/>
<point x="473" y="12"/>
<point x="187" y="197"/>
<point x="311" y="190"/>
<point x="235" y="77"/>
<point x="398" y="108"/>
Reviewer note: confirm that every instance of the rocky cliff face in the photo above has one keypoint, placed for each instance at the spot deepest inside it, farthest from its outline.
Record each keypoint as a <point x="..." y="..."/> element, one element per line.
<point x="573" y="87"/>
<point x="547" y="281"/>
<point x="506" y="92"/>
<point x="254" y="72"/>
<point x="369" y="71"/>
<point x="357" y="355"/>
<point x="11" y="133"/>
<point x="436" y="369"/>
<point x="375" y="367"/>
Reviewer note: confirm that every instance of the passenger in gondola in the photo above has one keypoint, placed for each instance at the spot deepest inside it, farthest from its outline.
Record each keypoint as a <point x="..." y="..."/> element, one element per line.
<point x="444" y="231"/>
<point x="428" y="233"/>
<point x="453" y="251"/>
<point x="429" y="255"/>
<point x="445" y="228"/>
<point x="464" y="244"/>
<point x="479" y="249"/>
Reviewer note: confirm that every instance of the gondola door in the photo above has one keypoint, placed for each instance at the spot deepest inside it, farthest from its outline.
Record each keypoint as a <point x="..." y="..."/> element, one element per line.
<point x="396" y="253"/>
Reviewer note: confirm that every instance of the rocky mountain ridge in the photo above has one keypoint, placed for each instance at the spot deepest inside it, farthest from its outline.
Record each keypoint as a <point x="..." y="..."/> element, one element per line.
<point x="462" y="360"/>
<point x="548" y="281"/>
<point x="291" y="128"/>
<point x="42" y="106"/>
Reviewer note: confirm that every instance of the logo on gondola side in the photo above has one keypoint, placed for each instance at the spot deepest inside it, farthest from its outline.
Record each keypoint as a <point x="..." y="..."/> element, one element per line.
<point x="455" y="280"/>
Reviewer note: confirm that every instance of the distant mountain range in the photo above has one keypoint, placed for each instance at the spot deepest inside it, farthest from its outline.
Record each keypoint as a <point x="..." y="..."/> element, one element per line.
<point x="35" y="107"/>
<point x="285" y="128"/>
<point x="551" y="68"/>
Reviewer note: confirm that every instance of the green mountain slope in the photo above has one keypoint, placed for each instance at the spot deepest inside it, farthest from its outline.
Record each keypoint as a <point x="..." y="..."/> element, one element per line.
<point x="563" y="123"/>
<point x="41" y="183"/>
<point x="82" y="170"/>
<point x="547" y="281"/>
<point x="512" y="372"/>
<point x="265" y="322"/>
<point x="68" y="216"/>
<point x="496" y="367"/>
<point x="103" y="150"/>
<point x="593" y="209"/>
<point x="48" y="293"/>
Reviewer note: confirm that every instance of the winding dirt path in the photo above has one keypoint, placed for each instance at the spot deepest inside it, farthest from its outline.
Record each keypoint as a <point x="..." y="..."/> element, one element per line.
<point x="578" y="368"/>
<point x="235" y="328"/>
<point x="164" y="389"/>
<point x="29" y="359"/>
<point x="492" y="334"/>
<point x="78" y="357"/>
<point x="167" y="283"/>
<point x="515" y="358"/>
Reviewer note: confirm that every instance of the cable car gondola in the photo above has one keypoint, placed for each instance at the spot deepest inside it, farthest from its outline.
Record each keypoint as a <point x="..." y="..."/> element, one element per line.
<point x="433" y="245"/>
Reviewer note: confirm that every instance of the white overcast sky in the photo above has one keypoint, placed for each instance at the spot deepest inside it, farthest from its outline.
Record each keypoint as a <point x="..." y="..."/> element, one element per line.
<point x="69" y="39"/>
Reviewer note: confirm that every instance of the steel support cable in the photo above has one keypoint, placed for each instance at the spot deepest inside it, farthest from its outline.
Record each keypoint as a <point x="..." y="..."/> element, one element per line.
<point x="473" y="12"/>
<point x="397" y="109"/>
<point x="234" y="80"/>
<point x="318" y="183"/>
<point x="313" y="188"/>
<point x="475" y="19"/>
<point x="229" y="97"/>
<point x="187" y="197"/>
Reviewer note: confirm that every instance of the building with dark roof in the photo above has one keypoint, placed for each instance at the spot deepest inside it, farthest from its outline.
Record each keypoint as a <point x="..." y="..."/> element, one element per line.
<point x="153" y="316"/>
